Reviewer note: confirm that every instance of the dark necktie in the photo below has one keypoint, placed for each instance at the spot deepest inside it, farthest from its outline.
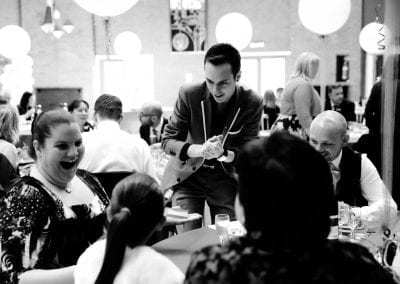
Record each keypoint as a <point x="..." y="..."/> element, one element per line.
<point x="156" y="135"/>
<point x="335" y="174"/>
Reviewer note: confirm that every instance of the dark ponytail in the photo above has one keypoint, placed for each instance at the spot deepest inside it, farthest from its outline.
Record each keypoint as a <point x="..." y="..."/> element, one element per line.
<point x="137" y="207"/>
<point x="117" y="236"/>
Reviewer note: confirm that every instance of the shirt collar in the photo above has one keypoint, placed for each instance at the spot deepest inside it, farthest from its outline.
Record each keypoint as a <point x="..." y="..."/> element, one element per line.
<point x="337" y="160"/>
<point x="108" y="125"/>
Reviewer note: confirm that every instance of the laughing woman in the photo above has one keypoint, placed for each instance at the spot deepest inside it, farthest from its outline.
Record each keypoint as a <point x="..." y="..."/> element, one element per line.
<point x="49" y="217"/>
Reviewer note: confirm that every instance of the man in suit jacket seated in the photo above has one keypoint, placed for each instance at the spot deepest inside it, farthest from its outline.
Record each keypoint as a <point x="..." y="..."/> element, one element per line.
<point x="356" y="180"/>
<point x="338" y="103"/>
<point x="152" y="122"/>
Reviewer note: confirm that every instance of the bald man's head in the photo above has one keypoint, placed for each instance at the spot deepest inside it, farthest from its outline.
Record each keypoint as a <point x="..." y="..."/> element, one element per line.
<point x="328" y="134"/>
<point x="150" y="113"/>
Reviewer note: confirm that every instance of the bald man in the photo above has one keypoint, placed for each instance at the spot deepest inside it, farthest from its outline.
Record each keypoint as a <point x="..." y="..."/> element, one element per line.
<point x="356" y="179"/>
<point x="150" y="117"/>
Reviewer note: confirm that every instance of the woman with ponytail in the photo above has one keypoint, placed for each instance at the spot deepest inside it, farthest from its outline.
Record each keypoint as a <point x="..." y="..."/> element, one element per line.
<point x="135" y="212"/>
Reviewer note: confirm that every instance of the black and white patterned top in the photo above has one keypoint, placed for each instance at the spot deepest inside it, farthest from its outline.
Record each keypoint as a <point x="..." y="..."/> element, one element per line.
<point x="241" y="261"/>
<point x="37" y="232"/>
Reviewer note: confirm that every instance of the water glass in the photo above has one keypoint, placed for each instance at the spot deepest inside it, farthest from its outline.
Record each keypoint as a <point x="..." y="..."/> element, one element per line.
<point x="222" y="227"/>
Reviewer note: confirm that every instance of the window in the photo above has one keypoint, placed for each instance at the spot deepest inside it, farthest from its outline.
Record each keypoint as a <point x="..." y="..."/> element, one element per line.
<point x="131" y="80"/>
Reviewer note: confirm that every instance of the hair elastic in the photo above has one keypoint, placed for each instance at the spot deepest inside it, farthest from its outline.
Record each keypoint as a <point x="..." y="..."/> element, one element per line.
<point x="127" y="210"/>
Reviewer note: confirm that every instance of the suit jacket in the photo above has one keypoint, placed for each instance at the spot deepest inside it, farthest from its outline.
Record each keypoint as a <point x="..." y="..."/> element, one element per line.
<point x="346" y="108"/>
<point x="186" y="125"/>
<point x="144" y="130"/>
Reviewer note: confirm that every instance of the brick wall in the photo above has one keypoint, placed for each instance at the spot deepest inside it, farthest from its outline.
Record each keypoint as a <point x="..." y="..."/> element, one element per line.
<point x="68" y="62"/>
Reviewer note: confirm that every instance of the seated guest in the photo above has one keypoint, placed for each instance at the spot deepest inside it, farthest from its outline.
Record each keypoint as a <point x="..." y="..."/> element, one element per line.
<point x="338" y="103"/>
<point x="80" y="112"/>
<point x="285" y="199"/>
<point x="50" y="216"/>
<point x="135" y="212"/>
<point x="9" y="133"/>
<point x="356" y="180"/>
<point x="270" y="108"/>
<point x="108" y="148"/>
<point x="150" y="117"/>
<point x="27" y="105"/>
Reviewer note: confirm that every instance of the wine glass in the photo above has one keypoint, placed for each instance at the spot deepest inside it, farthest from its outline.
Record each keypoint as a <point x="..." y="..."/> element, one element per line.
<point x="221" y="225"/>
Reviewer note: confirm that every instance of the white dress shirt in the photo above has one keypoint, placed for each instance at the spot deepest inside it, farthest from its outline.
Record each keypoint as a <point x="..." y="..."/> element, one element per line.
<point x="380" y="202"/>
<point x="108" y="149"/>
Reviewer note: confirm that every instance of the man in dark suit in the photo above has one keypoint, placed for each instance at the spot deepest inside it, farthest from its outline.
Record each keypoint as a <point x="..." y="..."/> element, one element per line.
<point x="152" y="122"/>
<point x="338" y="103"/>
<point x="210" y="123"/>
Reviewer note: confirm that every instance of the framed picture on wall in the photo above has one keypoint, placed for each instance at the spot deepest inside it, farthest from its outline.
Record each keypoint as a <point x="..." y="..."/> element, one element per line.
<point x="188" y="30"/>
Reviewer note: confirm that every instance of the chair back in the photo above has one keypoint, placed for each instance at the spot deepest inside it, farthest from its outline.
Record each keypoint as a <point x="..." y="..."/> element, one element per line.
<point x="109" y="179"/>
<point x="7" y="174"/>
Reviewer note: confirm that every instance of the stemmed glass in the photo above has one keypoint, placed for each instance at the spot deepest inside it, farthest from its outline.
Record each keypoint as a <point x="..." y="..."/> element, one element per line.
<point x="221" y="225"/>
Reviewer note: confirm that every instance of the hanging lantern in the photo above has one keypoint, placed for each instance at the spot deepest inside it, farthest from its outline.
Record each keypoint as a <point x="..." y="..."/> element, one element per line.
<point x="234" y="28"/>
<point x="106" y="8"/>
<point x="324" y="17"/>
<point x="373" y="38"/>
<point x="14" y="41"/>
<point x="127" y="44"/>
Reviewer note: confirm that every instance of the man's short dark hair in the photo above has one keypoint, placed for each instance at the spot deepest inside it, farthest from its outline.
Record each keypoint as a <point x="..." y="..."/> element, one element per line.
<point x="334" y="87"/>
<point x="108" y="106"/>
<point x="222" y="53"/>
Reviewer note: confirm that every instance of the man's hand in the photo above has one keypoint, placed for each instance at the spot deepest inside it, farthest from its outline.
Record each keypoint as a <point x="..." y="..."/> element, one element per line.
<point x="213" y="148"/>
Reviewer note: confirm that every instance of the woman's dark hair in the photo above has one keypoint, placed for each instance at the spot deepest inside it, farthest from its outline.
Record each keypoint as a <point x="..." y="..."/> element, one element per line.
<point x="136" y="208"/>
<point x="23" y="103"/>
<point x="222" y="53"/>
<point x="285" y="187"/>
<point x="44" y="122"/>
<point x="75" y="104"/>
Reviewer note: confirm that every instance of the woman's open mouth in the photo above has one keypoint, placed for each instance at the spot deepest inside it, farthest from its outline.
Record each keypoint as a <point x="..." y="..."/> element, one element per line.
<point x="67" y="165"/>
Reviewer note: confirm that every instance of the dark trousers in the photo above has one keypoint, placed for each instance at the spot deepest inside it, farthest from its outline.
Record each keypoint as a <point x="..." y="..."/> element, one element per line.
<point x="212" y="185"/>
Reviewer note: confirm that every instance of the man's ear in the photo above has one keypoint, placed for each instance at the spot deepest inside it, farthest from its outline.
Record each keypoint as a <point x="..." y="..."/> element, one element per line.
<point x="36" y="148"/>
<point x="346" y="139"/>
<point x="238" y="76"/>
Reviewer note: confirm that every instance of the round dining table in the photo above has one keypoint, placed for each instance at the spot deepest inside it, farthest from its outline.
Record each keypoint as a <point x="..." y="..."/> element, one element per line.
<point x="179" y="248"/>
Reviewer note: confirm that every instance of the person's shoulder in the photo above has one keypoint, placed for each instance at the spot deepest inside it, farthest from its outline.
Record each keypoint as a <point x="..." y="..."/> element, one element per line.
<point x="249" y="94"/>
<point x="194" y="87"/>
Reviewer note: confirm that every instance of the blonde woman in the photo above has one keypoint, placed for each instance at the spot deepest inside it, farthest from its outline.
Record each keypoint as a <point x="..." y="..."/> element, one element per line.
<point x="300" y="101"/>
<point x="9" y="133"/>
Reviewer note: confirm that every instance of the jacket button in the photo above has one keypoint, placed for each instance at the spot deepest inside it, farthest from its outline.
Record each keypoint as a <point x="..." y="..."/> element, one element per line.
<point x="178" y="179"/>
<point x="194" y="168"/>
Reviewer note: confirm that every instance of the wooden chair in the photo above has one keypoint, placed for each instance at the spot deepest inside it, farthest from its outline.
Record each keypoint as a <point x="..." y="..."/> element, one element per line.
<point x="109" y="179"/>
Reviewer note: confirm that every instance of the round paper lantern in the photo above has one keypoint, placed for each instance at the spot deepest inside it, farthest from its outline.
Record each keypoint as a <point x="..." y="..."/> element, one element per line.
<point x="14" y="41"/>
<point x="234" y="28"/>
<point x="127" y="44"/>
<point x="373" y="38"/>
<point x="324" y="17"/>
<point x="106" y="8"/>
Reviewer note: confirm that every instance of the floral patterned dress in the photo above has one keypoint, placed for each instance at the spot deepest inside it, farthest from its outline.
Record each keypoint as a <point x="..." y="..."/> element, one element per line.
<point x="36" y="232"/>
<point x="242" y="261"/>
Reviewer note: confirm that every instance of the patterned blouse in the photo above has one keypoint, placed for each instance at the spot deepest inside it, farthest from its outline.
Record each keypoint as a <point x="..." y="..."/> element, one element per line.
<point x="35" y="232"/>
<point x="242" y="262"/>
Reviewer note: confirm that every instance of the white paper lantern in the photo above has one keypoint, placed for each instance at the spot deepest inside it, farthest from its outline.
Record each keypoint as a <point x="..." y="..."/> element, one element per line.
<point x="234" y="28"/>
<point x="373" y="38"/>
<point x="127" y="44"/>
<point x="14" y="41"/>
<point x="24" y="60"/>
<point x="324" y="17"/>
<point x="106" y="8"/>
